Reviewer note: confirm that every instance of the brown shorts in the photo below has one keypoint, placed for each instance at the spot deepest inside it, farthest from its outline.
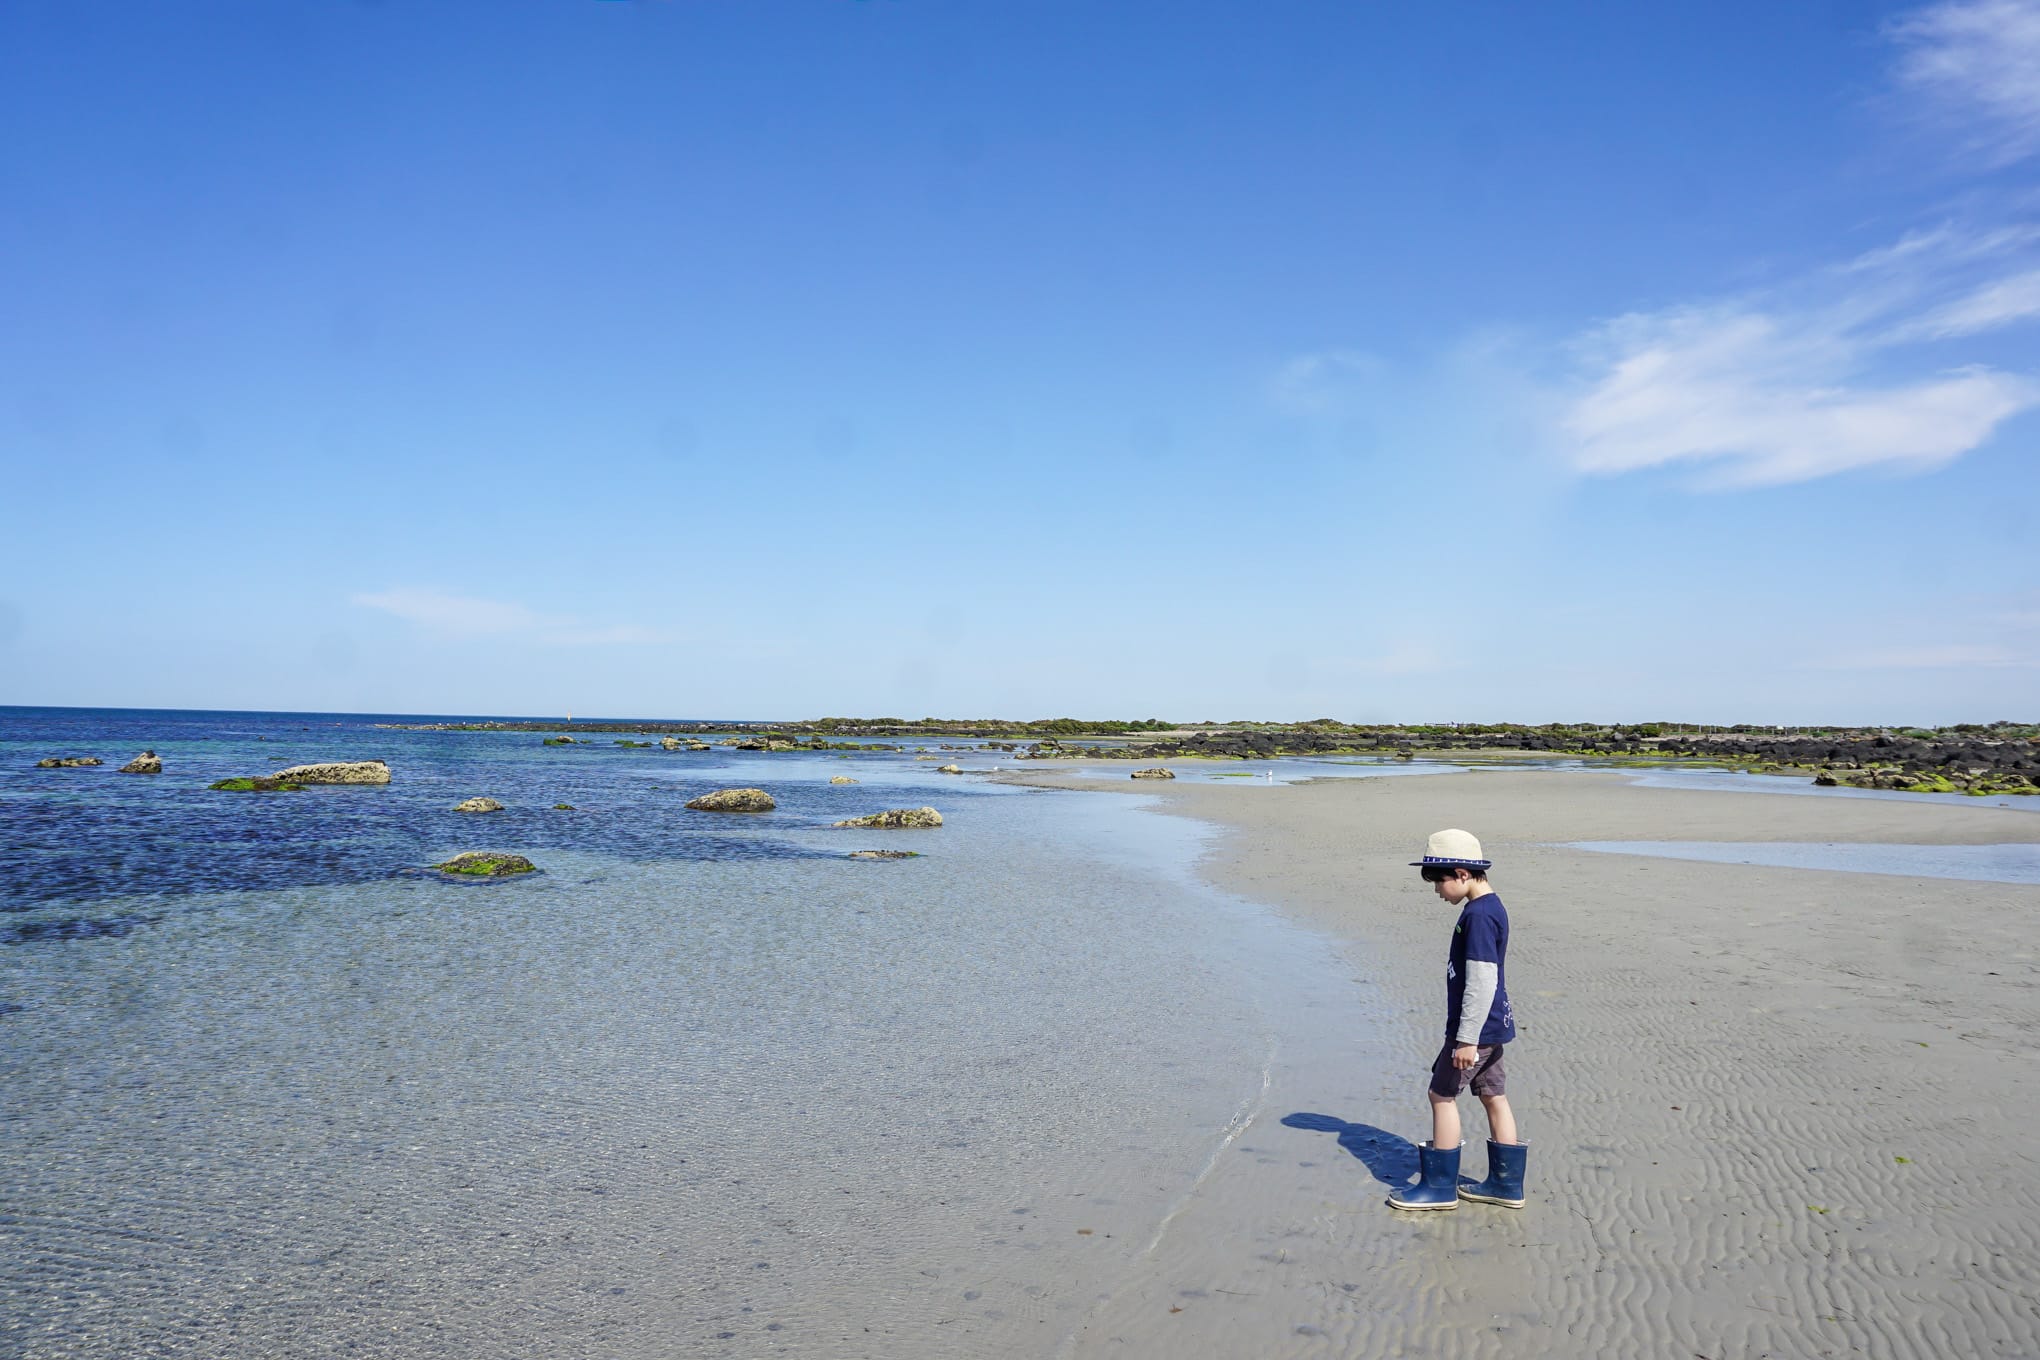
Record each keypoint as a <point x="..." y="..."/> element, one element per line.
<point x="1486" y="1076"/>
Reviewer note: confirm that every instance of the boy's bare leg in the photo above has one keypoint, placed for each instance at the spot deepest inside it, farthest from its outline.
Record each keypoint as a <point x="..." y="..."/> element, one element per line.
<point x="1501" y="1120"/>
<point x="1445" y="1121"/>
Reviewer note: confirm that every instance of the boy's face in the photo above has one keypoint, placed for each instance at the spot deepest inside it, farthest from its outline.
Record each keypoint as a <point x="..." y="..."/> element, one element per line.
<point x="1452" y="885"/>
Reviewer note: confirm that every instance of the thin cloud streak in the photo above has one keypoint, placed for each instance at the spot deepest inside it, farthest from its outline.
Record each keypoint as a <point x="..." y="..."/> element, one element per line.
<point x="1976" y="64"/>
<point x="464" y="616"/>
<point x="1952" y="656"/>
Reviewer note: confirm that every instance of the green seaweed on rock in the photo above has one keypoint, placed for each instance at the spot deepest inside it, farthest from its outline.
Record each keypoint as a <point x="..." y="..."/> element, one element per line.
<point x="486" y="864"/>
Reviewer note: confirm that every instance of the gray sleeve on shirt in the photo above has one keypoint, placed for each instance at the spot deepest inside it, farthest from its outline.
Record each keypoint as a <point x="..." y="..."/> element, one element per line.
<point x="1482" y="981"/>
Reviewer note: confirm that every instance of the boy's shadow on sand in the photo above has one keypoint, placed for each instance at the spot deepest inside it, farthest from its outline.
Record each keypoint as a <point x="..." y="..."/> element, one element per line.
<point x="1392" y="1158"/>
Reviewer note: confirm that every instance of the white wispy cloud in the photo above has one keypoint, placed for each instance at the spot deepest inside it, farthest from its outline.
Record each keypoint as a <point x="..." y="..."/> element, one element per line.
<point x="1853" y="366"/>
<point x="1314" y="384"/>
<point x="1975" y="65"/>
<point x="1769" y="395"/>
<point x="465" y="616"/>
<point x="2001" y="302"/>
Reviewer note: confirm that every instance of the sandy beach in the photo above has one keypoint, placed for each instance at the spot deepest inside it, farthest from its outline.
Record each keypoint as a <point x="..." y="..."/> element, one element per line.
<point x="1773" y="1112"/>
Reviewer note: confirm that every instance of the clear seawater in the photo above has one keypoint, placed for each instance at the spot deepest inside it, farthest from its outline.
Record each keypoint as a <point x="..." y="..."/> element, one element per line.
<point x="701" y="1087"/>
<point x="2009" y="863"/>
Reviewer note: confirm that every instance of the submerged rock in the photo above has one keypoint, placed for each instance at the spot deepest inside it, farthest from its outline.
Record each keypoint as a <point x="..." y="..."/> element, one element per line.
<point x="897" y="819"/>
<point x="949" y="769"/>
<point x="338" y="772"/>
<point x="563" y="807"/>
<point x="148" y="762"/>
<point x="841" y="779"/>
<point x="478" y="805"/>
<point x="884" y="854"/>
<point x="486" y="864"/>
<point x="1156" y="772"/>
<point x="67" y="762"/>
<point x="733" y="800"/>
<point x="261" y="783"/>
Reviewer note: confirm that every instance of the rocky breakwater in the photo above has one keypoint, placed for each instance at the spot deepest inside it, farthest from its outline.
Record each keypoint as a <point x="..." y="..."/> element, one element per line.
<point x="896" y="819"/>
<point x="337" y="772"/>
<point x="733" y="800"/>
<point x="67" y="762"/>
<point x="148" y="762"/>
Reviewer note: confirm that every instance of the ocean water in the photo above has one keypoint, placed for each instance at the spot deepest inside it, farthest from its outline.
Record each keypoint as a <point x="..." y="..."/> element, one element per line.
<point x="2015" y="862"/>
<point x="701" y="1087"/>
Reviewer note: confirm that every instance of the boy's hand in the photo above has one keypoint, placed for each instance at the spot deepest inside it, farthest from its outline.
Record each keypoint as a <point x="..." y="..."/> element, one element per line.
<point x="1465" y="1056"/>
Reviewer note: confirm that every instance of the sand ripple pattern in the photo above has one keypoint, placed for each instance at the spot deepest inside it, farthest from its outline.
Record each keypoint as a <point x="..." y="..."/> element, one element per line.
<point x="1772" y="1112"/>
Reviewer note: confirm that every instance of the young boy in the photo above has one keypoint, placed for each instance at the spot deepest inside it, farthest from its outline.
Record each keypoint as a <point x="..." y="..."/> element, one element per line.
<point x="1477" y="1023"/>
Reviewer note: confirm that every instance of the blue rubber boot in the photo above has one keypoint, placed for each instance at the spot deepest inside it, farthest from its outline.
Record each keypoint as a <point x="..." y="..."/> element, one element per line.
<point x="1504" y="1183"/>
<point x="1437" y="1186"/>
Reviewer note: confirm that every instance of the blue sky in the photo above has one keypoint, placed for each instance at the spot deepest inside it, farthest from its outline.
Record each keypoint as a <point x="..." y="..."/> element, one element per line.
<point x="790" y="357"/>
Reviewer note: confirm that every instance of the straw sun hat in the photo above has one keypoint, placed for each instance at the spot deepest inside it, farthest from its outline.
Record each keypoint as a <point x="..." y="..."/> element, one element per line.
<point x="1451" y="849"/>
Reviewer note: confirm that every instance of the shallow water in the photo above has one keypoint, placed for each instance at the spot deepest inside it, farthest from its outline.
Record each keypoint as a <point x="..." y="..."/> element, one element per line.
<point x="2015" y="863"/>
<point x="702" y="1087"/>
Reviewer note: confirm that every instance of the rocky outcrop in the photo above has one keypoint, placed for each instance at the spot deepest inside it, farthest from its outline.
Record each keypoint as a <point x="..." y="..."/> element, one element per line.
<point x="897" y="819"/>
<point x="337" y="772"/>
<point x="67" y="762"/>
<point x="148" y="762"/>
<point x="560" y="741"/>
<point x="486" y="864"/>
<point x="841" y="779"/>
<point x="884" y="854"/>
<point x="670" y="743"/>
<point x="258" y="784"/>
<point x="478" y="805"/>
<point x="1154" y="772"/>
<point x="949" y="769"/>
<point x="733" y="800"/>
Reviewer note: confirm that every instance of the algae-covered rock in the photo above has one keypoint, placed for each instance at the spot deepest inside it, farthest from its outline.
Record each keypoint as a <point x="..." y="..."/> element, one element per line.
<point x="148" y="762"/>
<point x="841" y="779"/>
<point x="949" y="769"/>
<point x="338" y="772"/>
<point x="1155" y="772"/>
<point x="559" y="741"/>
<point x="733" y="800"/>
<point x="486" y="864"/>
<point x="563" y="807"/>
<point x="67" y="762"/>
<point x="478" y="805"/>
<point x="634" y="744"/>
<point x="670" y="743"/>
<point x="884" y="854"/>
<point x="897" y="819"/>
<point x="261" y="783"/>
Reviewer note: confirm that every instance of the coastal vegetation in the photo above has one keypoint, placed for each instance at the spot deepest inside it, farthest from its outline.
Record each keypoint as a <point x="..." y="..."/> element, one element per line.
<point x="1976" y="758"/>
